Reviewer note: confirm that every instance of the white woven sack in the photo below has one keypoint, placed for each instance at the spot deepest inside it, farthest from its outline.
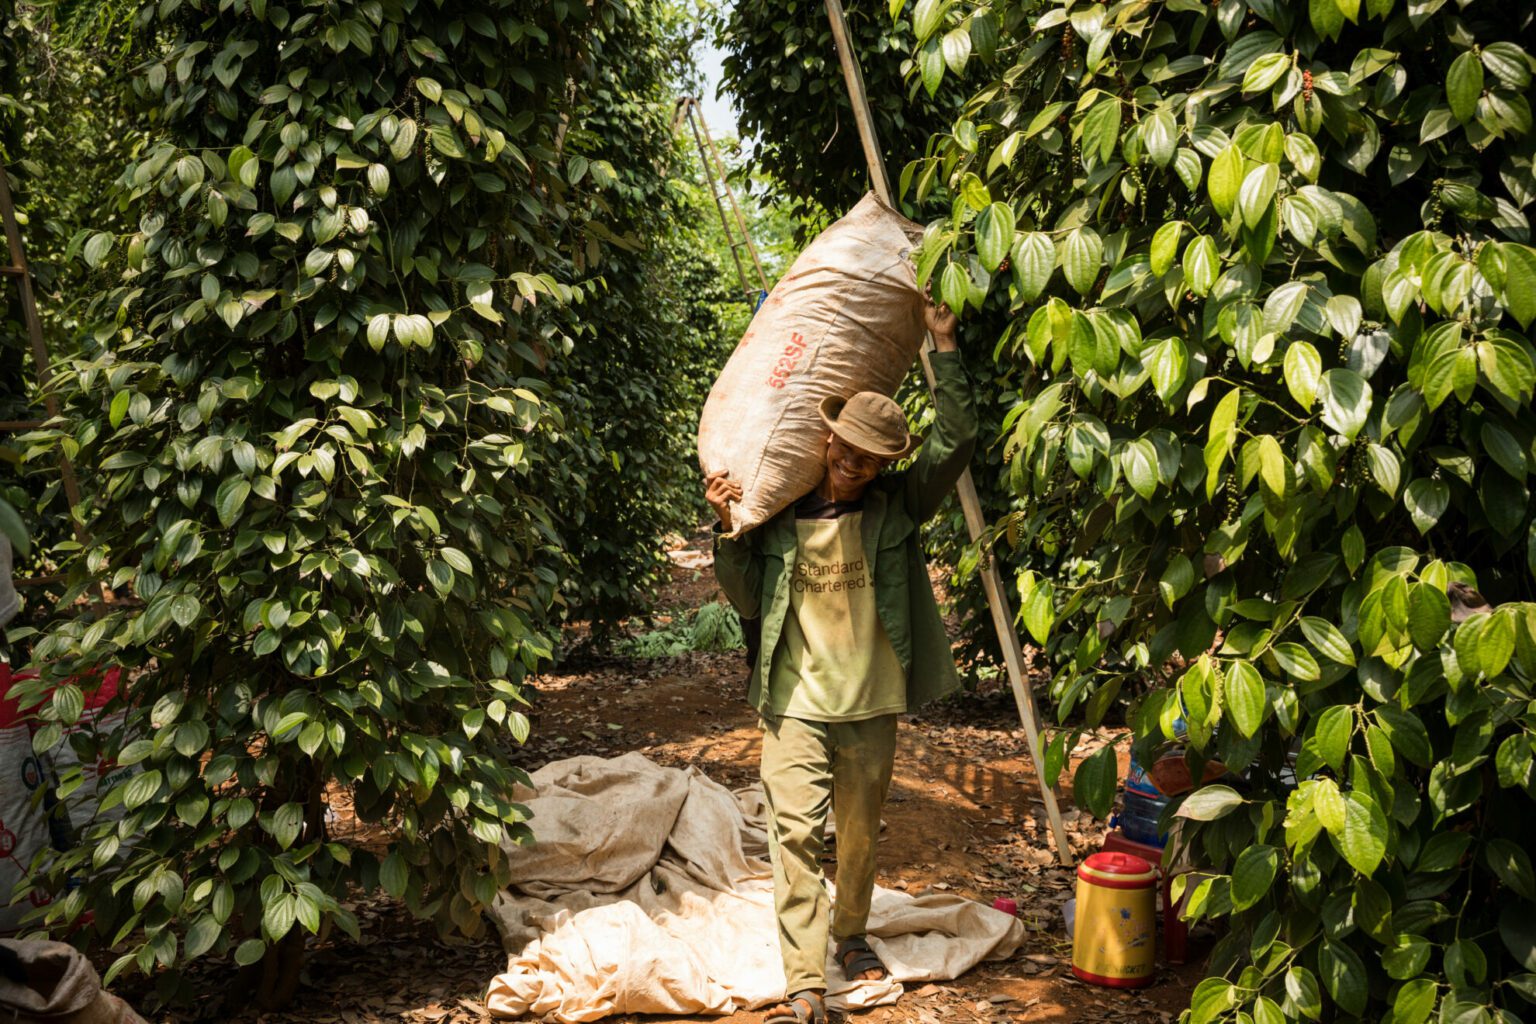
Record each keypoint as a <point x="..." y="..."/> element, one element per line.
<point x="98" y="776"/>
<point x="847" y="317"/>
<point x="23" y="822"/>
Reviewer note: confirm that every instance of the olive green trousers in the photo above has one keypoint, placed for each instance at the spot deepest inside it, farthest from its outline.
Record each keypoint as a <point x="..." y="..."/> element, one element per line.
<point x="809" y="769"/>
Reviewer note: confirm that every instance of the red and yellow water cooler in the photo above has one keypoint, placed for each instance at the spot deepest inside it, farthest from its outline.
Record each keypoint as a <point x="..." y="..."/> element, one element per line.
<point x="1114" y="938"/>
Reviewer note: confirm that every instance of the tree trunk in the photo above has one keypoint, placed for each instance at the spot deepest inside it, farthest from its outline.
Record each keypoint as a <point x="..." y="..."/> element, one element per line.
<point x="280" y="971"/>
<point x="283" y="963"/>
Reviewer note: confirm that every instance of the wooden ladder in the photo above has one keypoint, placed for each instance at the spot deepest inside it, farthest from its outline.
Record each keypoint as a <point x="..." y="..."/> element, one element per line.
<point x="714" y="172"/>
<point x="18" y="271"/>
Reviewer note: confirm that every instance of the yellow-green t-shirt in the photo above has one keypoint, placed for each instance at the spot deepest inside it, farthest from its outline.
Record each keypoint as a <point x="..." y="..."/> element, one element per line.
<point x="835" y="662"/>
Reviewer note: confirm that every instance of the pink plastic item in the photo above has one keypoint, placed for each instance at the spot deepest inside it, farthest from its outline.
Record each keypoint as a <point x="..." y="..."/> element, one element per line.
<point x="1006" y="905"/>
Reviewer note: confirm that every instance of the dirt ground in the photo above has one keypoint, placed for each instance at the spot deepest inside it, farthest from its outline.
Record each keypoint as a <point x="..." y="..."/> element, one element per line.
<point x="964" y="816"/>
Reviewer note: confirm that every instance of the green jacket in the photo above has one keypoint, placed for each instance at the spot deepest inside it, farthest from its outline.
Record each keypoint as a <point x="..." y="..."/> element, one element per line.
<point x="753" y="569"/>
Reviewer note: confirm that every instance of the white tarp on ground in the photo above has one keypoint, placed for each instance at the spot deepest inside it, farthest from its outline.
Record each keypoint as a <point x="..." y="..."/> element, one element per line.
<point x="648" y="891"/>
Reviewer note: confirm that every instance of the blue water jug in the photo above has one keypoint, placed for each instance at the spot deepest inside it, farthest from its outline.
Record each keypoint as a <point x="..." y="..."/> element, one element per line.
<point x="1141" y="807"/>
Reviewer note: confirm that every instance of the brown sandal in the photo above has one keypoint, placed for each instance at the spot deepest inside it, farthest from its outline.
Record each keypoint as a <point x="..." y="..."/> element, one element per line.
<point x="855" y="955"/>
<point x="801" y="1008"/>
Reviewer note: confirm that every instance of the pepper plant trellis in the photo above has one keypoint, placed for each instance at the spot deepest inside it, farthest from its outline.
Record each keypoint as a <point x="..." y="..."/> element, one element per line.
<point x="1269" y="265"/>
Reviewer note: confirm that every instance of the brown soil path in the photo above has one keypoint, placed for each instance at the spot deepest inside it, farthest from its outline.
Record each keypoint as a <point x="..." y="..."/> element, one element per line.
<point x="964" y="817"/>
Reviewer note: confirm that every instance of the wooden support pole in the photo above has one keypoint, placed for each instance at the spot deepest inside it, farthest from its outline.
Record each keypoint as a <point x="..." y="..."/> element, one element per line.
<point x="970" y="503"/>
<point x="853" y="77"/>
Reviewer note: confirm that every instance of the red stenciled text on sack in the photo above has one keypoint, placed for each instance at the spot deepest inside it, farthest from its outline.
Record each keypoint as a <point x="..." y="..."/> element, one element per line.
<point x="788" y="361"/>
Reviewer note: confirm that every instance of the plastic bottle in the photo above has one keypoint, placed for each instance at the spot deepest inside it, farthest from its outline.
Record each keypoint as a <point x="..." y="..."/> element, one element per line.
<point x="1141" y="807"/>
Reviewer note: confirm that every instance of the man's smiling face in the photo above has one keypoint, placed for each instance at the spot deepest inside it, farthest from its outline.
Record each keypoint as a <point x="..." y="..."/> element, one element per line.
<point x="849" y="469"/>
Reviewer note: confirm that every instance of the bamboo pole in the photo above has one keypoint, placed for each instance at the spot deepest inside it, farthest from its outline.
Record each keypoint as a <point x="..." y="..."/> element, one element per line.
<point x="689" y="110"/>
<point x="970" y="503"/>
<point x="730" y="193"/>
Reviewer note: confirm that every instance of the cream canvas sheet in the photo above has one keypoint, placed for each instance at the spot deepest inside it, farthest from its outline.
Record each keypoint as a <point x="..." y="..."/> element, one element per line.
<point x="648" y="891"/>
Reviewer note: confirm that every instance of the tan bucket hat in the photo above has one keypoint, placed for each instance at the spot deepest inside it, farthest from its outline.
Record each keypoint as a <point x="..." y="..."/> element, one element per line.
<point x="871" y="421"/>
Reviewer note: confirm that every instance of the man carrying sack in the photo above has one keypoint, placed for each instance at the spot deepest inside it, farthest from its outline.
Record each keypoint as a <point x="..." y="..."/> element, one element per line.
<point x="850" y="638"/>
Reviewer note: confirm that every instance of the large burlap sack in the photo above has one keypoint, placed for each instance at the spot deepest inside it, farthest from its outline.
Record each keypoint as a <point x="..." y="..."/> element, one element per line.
<point x="51" y="983"/>
<point x="847" y="317"/>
